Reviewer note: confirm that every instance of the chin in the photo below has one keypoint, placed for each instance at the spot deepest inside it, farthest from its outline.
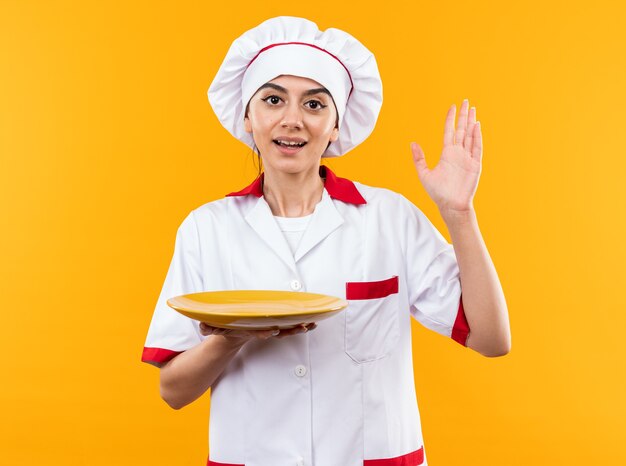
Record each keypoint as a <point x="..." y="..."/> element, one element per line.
<point x="291" y="166"/>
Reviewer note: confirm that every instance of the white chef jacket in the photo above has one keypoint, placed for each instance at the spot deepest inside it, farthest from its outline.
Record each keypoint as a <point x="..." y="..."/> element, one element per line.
<point x="342" y="394"/>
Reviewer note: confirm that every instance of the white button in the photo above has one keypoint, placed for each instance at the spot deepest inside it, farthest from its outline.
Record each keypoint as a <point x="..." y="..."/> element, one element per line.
<point x="300" y="370"/>
<point x="295" y="285"/>
<point x="299" y="461"/>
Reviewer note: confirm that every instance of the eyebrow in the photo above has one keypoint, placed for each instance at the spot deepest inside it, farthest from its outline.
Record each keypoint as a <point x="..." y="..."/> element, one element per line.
<point x="306" y="93"/>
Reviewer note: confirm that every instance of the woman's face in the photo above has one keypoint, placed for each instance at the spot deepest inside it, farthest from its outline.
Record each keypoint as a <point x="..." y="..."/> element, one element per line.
<point x="291" y="110"/>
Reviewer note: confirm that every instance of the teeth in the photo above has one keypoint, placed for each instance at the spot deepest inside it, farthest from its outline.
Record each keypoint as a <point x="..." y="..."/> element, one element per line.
<point x="290" y="144"/>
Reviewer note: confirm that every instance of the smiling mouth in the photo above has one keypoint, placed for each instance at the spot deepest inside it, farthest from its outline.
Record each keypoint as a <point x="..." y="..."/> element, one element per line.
<point x="289" y="144"/>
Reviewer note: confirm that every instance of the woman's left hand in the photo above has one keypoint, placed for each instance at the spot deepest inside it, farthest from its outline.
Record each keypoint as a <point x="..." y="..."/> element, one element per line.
<point x="453" y="182"/>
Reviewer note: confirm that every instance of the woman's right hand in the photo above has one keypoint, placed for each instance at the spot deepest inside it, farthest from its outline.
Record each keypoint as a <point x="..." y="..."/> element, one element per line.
<point x="242" y="336"/>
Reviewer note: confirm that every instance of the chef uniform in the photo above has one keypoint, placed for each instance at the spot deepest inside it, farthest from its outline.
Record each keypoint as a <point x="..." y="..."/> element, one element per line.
<point x="343" y="394"/>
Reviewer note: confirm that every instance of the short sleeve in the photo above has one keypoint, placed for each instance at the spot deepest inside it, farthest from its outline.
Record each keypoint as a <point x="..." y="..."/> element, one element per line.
<point x="170" y="333"/>
<point x="433" y="279"/>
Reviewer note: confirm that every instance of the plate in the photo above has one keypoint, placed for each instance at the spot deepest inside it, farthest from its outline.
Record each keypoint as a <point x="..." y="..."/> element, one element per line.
<point x="257" y="309"/>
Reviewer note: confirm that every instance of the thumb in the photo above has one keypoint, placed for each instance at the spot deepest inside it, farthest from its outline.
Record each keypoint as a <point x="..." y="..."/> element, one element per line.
<point x="419" y="160"/>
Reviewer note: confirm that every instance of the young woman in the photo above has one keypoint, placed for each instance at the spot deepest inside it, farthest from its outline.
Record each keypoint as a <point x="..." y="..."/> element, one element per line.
<point x="342" y="394"/>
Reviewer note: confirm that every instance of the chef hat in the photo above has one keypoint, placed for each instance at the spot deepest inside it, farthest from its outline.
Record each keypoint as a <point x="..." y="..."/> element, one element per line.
<point x="288" y="45"/>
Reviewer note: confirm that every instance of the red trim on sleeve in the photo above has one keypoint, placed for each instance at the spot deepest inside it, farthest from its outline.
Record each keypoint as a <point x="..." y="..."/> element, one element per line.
<point x="411" y="459"/>
<point x="341" y="189"/>
<point x="372" y="290"/>
<point x="158" y="356"/>
<point x="213" y="463"/>
<point x="460" y="330"/>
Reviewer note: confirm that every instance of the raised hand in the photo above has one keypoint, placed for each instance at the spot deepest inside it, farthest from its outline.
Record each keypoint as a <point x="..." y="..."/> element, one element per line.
<point x="453" y="182"/>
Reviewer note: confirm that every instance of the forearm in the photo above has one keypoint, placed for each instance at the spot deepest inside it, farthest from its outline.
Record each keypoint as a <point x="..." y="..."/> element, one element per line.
<point x="186" y="377"/>
<point x="483" y="298"/>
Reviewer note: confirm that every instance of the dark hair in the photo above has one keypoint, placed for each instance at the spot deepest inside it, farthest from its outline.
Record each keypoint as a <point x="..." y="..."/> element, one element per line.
<point x="255" y="150"/>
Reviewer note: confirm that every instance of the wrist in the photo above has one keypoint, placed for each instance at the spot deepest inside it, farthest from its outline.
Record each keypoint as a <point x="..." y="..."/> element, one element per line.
<point x="233" y="343"/>
<point x="224" y="343"/>
<point x="454" y="218"/>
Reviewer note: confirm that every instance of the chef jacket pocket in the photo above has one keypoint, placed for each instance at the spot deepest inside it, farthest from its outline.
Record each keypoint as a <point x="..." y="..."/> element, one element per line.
<point x="371" y="319"/>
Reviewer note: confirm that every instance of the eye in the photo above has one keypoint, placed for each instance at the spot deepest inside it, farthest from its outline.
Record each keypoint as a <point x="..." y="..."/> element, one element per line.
<point x="272" y="99"/>
<point x="315" y="105"/>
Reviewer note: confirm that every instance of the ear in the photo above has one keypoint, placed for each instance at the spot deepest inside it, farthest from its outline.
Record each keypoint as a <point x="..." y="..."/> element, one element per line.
<point x="247" y="125"/>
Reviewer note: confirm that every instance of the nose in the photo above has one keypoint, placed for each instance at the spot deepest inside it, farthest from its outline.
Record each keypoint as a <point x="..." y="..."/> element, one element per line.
<point x="292" y="117"/>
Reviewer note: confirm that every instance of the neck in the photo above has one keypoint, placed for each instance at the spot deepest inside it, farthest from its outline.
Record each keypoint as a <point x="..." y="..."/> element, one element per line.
<point x="293" y="194"/>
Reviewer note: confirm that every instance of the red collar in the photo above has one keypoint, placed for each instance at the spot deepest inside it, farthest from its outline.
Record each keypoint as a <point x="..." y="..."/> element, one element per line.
<point x="341" y="189"/>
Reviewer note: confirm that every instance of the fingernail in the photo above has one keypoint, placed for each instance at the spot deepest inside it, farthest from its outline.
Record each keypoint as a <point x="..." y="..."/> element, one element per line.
<point x="275" y="332"/>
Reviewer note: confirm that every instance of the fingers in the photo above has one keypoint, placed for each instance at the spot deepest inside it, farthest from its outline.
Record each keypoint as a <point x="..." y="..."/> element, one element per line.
<point x="469" y="135"/>
<point x="418" y="158"/>
<point x="302" y="328"/>
<point x="477" y="148"/>
<point x="265" y="334"/>
<point x="206" y="330"/>
<point x="231" y="334"/>
<point x="459" y="135"/>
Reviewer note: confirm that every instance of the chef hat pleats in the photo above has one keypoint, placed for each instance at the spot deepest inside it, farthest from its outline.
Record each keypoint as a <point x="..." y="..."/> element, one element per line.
<point x="295" y="46"/>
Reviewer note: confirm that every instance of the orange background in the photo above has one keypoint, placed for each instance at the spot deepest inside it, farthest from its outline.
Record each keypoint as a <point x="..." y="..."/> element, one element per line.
<point x="107" y="141"/>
